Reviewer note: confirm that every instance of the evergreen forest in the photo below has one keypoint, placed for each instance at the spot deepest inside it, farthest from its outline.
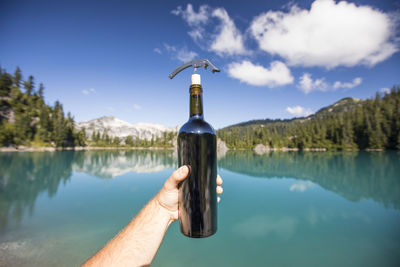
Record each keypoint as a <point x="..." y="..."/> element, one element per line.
<point x="349" y="124"/>
<point x="25" y="118"/>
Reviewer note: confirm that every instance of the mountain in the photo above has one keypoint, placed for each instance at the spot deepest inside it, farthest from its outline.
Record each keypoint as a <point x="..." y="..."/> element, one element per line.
<point x="109" y="164"/>
<point x="348" y="124"/>
<point x="118" y="128"/>
<point x="341" y="106"/>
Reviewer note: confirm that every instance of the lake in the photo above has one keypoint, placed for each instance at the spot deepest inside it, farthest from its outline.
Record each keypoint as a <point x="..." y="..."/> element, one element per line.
<point x="277" y="209"/>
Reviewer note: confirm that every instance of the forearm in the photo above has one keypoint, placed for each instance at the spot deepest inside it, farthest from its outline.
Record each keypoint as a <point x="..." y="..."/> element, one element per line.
<point x="138" y="242"/>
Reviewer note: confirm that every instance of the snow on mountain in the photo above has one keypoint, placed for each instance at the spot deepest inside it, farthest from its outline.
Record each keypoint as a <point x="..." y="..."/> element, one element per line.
<point x="116" y="127"/>
<point x="116" y="163"/>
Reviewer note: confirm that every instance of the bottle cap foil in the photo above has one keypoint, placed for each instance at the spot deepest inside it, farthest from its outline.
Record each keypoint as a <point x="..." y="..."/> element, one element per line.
<point x="196" y="79"/>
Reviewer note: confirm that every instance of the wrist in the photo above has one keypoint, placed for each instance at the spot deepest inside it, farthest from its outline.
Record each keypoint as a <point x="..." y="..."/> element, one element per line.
<point x="164" y="211"/>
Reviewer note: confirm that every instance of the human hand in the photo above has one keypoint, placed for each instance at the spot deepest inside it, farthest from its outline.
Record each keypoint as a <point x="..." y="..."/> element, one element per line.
<point x="167" y="198"/>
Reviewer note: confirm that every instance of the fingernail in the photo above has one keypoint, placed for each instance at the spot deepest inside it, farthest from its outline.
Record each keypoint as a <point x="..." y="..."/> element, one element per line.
<point x="183" y="169"/>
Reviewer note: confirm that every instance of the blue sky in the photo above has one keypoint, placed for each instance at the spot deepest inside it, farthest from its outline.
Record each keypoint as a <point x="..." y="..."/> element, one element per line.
<point x="279" y="59"/>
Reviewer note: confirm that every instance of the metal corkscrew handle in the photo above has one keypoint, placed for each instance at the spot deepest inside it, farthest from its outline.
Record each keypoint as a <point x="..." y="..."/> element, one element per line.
<point x="198" y="63"/>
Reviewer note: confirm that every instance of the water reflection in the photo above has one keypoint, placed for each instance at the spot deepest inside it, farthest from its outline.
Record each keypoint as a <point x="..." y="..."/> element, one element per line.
<point x="353" y="175"/>
<point x="109" y="164"/>
<point x="301" y="186"/>
<point x="24" y="176"/>
<point x="259" y="226"/>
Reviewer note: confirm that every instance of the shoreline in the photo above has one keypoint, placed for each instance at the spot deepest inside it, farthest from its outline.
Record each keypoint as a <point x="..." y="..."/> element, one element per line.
<point x="88" y="148"/>
<point x="79" y="148"/>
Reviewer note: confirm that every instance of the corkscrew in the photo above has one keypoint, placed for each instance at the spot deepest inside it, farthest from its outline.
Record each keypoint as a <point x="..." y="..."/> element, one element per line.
<point x="198" y="63"/>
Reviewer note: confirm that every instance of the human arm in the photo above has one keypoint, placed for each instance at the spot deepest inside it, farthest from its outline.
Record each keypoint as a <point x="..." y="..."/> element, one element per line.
<point x="138" y="242"/>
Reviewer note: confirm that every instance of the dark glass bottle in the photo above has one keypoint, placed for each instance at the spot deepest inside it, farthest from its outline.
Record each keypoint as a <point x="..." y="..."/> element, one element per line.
<point x="197" y="193"/>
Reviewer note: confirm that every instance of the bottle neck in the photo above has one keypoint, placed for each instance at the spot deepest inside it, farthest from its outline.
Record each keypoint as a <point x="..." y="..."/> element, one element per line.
<point x="196" y="101"/>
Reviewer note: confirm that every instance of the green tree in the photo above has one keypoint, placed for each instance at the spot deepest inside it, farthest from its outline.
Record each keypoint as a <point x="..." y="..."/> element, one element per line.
<point x="41" y="90"/>
<point x="25" y="118"/>
<point x="58" y="121"/>
<point x="7" y="133"/>
<point x="17" y="77"/>
<point x="29" y="85"/>
<point x="80" y="138"/>
<point x="5" y="84"/>
<point x="129" y="140"/>
<point x="116" y="141"/>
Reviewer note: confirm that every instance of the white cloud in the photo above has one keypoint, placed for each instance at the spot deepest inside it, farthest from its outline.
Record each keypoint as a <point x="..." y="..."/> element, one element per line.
<point x="185" y="55"/>
<point x="229" y="40"/>
<point x="307" y="84"/>
<point x="196" y="34"/>
<point x="299" y="111"/>
<point x="157" y="50"/>
<point x="182" y="54"/>
<point x="169" y="48"/>
<point x="224" y="39"/>
<point x="385" y="90"/>
<point x="301" y="186"/>
<point x="262" y="225"/>
<point x="195" y="20"/>
<point x="190" y="16"/>
<point x="356" y="82"/>
<point x="330" y="34"/>
<point x="137" y="107"/>
<point x="90" y="91"/>
<point x="276" y="75"/>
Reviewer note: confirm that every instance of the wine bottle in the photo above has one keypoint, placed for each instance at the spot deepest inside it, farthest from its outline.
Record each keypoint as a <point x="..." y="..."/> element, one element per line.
<point x="197" y="149"/>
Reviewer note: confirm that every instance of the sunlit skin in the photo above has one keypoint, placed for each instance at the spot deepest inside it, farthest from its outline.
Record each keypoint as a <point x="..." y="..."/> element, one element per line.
<point x="138" y="242"/>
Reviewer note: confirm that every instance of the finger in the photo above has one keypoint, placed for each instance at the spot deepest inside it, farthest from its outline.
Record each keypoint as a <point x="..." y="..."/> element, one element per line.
<point x="176" y="177"/>
<point x="219" y="190"/>
<point x="218" y="199"/>
<point x="219" y="180"/>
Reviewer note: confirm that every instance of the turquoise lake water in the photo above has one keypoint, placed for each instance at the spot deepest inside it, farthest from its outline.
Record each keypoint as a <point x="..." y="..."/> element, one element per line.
<point x="277" y="209"/>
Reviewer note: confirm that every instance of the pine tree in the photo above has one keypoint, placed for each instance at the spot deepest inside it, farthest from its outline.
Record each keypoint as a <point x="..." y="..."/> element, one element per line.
<point x="7" y="133"/>
<point x="59" y="131"/>
<point x="129" y="140"/>
<point x="93" y="137"/>
<point x="29" y="85"/>
<point x="69" y="130"/>
<point x="116" y="141"/>
<point x="41" y="90"/>
<point x="29" y="118"/>
<point x="98" y="138"/>
<point x="5" y="84"/>
<point x="44" y="128"/>
<point x="17" y="77"/>
<point x="80" y="138"/>
<point x="398" y="141"/>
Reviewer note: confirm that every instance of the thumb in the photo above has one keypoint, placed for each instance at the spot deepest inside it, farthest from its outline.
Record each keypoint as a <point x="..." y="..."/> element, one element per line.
<point x="177" y="176"/>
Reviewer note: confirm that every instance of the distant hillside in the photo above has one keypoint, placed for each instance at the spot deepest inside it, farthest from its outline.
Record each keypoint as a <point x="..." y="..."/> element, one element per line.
<point x="350" y="123"/>
<point x="343" y="105"/>
<point x="110" y="131"/>
<point x="118" y="128"/>
<point x="25" y="118"/>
